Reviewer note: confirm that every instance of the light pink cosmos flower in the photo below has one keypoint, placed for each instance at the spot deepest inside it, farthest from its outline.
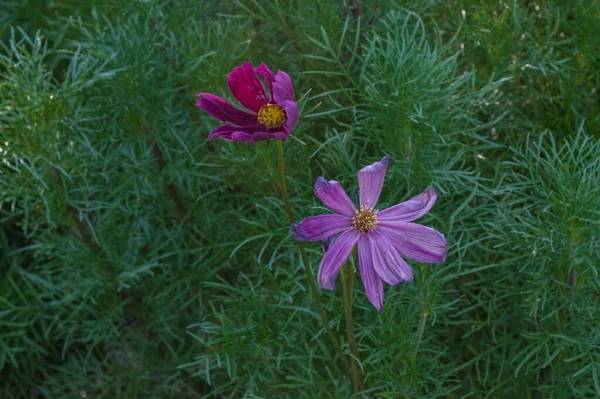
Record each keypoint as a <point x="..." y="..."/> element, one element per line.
<point x="267" y="117"/>
<point x="383" y="237"/>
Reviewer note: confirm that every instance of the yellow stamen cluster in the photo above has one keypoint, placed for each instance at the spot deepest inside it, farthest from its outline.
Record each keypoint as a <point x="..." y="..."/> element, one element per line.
<point x="365" y="219"/>
<point x="272" y="115"/>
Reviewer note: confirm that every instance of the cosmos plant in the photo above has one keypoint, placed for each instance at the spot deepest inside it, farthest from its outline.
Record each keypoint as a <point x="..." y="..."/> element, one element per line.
<point x="383" y="237"/>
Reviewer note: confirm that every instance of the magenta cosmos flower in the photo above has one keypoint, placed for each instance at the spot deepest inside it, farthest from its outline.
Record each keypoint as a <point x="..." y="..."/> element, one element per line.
<point x="267" y="117"/>
<point x="383" y="237"/>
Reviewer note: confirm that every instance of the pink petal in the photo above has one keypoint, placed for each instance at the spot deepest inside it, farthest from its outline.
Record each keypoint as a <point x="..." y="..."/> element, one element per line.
<point x="283" y="90"/>
<point x="409" y="210"/>
<point x="415" y="241"/>
<point x="229" y="132"/>
<point x="241" y="136"/>
<point x="224" y="111"/>
<point x="335" y="257"/>
<point x="316" y="228"/>
<point x="291" y="112"/>
<point x="371" y="281"/>
<point x="370" y="182"/>
<point x="267" y="76"/>
<point x="261" y="136"/>
<point x="334" y="197"/>
<point x="246" y="87"/>
<point x="387" y="262"/>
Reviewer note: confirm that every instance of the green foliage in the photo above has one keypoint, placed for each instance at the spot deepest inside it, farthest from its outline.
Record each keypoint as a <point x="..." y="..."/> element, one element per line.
<point x="138" y="259"/>
<point x="549" y="226"/>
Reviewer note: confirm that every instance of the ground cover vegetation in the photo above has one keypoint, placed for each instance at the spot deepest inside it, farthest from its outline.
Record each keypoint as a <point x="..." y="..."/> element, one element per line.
<point x="138" y="259"/>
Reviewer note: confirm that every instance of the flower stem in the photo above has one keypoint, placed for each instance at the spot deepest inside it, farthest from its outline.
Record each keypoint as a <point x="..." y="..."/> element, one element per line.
<point x="311" y="279"/>
<point x="160" y="159"/>
<point x="347" y="310"/>
<point x="572" y="280"/>
<point x="357" y="383"/>
<point x="351" y="296"/>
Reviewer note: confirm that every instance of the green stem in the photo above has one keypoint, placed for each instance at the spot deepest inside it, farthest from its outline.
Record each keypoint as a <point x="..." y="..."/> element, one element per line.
<point x="349" y="330"/>
<point x="311" y="279"/>
<point x="351" y="297"/>
<point x="572" y="280"/>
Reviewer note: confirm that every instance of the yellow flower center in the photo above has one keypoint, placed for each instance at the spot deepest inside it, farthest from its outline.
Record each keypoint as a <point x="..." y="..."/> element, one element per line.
<point x="272" y="115"/>
<point x="365" y="219"/>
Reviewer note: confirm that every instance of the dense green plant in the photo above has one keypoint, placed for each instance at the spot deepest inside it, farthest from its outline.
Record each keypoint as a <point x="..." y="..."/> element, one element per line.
<point x="139" y="259"/>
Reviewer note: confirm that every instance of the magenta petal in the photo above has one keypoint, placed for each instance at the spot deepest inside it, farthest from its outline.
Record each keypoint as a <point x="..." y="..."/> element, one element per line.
<point x="316" y="228"/>
<point x="387" y="262"/>
<point x="246" y="87"/>
<point x="267" y="76"/>
<point x="224" y="111"/>
<point x="229" y="132"/>
<point x="291" y="113"/>
<point x="371" y="281"/>
<point x="370" y="182"/>
<point x="409" y="210"/>
<point x="283" y="90"/>
<point x="241" y="136"/>
<point x="261" y="136"/>
<point x="415" y="241"/>
<point x="334" y="197"/>
<point x="335" y="257"/>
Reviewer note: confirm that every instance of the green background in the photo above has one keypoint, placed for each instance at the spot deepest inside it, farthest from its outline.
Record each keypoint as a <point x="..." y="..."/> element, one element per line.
<point x="140" y="260"/>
